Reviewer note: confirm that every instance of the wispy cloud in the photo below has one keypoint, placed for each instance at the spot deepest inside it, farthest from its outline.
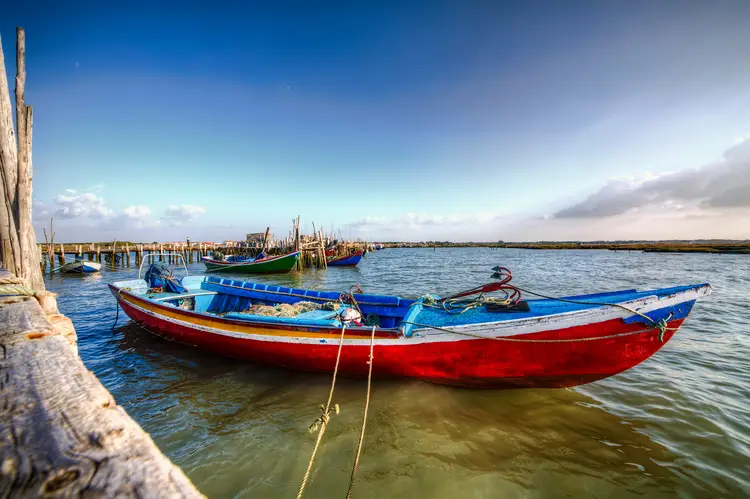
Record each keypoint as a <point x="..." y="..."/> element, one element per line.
<point x="88" y="213"/>
<point x="177" y="215"/>
<point x="725" y="184"/>
<point x="73" y="205"/>
<point x="417" y="220"/>
<point x="429" y="226"/>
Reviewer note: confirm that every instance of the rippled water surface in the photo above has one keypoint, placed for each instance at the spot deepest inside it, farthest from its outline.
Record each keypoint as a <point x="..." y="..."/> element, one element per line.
<point x="676" y="425"/>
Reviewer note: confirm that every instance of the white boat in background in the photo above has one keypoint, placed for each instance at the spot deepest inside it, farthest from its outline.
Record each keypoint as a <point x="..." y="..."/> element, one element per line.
<point x="81" y="266"/>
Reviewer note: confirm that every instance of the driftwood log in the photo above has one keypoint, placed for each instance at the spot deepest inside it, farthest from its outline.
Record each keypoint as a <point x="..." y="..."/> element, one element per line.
<point x="61" y="432"/>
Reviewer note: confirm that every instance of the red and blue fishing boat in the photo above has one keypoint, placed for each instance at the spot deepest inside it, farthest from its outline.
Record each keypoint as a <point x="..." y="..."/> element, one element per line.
<point x="468" y="339"/>
<point x="346" y="260"/>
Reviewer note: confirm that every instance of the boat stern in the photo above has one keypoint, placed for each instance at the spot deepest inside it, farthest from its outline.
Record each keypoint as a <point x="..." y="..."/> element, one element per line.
<point x="137" y="286"/>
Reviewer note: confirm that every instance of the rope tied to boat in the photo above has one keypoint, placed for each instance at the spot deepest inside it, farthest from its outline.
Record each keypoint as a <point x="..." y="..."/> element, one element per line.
<point x="661" y="324"/>
<point x="512" y="339"/>
<point x="322" y="421"/>
<point x="513" y="293"/>
<point x="364" y="417"/>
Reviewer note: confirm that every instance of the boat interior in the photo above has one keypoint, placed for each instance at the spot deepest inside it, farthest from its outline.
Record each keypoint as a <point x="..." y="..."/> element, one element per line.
<point x="247" y="301"/>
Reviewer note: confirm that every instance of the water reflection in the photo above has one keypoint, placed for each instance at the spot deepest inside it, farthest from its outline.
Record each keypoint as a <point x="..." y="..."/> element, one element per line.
<point x="675" y="425"/>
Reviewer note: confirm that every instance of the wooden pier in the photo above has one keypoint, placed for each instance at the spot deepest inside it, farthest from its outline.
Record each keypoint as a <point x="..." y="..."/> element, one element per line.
<point x="61" y="432"/>
<point x="312" y="250"/>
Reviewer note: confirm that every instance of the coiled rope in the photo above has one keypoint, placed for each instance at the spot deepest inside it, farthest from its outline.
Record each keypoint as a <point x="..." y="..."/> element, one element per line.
<point x="512" y="292"/>
<point x="15" y="286"/>
<point x="322" y="421"/>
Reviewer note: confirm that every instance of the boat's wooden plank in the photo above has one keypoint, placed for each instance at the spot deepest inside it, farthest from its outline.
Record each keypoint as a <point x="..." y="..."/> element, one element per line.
<point x="61" y="432"/>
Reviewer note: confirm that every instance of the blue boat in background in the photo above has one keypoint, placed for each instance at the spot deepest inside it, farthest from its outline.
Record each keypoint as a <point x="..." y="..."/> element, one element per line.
<point x="81" y="266"/>
<point x="346" y="261"/>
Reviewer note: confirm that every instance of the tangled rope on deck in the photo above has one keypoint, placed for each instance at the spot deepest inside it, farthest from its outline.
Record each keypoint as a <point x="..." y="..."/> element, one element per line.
<point x="453" y="305"/>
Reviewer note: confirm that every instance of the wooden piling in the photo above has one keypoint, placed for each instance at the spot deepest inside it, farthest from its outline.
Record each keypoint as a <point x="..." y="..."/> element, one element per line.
<point x="62" y="254"/>
<point x="297" y="243"/>
<point x="61" y="433"/>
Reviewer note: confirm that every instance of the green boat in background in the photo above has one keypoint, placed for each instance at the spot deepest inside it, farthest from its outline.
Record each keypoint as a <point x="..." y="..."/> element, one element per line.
<point x="261" y="265"/>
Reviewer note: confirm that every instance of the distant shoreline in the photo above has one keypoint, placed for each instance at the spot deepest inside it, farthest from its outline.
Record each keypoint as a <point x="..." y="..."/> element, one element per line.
<point x="723" y="247"/>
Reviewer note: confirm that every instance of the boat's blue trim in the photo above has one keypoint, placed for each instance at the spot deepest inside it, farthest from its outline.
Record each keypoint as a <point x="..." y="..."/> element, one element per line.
<point x="234" y="295"/>
<point x="390" y="309"/>
<point x="346" y="262"/>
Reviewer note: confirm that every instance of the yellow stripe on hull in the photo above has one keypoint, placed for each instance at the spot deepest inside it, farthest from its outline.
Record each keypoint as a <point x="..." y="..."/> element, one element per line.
<point x="204" y="321"/>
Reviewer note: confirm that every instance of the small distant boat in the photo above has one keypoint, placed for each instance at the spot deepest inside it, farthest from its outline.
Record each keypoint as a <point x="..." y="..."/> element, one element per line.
<point x="478" y="342"/>
<point x="257" y="265"/>
<point x="346" y="261"/>
<point x="81" y="266"/>
<point x="378" y="246"/>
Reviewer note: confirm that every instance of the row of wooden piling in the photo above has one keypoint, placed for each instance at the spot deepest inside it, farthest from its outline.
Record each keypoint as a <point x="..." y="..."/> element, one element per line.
<point x="53" y="255"/>
<point x="123" y="254"/>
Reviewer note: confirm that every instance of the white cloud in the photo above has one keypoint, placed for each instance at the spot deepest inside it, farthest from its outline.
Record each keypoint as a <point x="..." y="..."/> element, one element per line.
<point x="179" y="214"/>
<point x="40" y="211"/>
<point x="137" y="211"/>
<point x="416" y="220"/>
<point x="133" y="217"/>
<point x="87" y="204"/>
<point x="725" y="184"/>
<point x="429" y="226"/>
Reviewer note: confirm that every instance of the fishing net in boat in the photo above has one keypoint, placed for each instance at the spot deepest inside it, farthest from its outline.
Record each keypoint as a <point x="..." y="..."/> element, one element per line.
<point x="282" y="309"/>
<point x="160" y="278"/>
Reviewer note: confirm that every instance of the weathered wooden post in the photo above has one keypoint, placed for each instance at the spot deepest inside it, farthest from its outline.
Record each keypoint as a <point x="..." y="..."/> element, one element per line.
<point x="19" y="243"/>
<point x="61" y="433"/>
<point x="98" y="253"/>
<point x="61" y="256"/>
<point x="297" y="242"/>
<point x="50" y="241"/>
<point x="323" y="251"/>
<point x="127" y="254"/>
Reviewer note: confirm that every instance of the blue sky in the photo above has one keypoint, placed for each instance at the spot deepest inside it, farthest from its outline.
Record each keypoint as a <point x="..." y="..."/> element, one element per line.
<point x="392" y="120"/>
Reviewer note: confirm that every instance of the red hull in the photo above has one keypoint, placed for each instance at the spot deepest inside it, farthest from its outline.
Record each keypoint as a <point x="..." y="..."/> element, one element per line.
<point x="483" y="363"/>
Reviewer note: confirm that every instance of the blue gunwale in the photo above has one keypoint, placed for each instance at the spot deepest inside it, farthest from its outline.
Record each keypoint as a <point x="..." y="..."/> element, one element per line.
<point x="223" y="297"/>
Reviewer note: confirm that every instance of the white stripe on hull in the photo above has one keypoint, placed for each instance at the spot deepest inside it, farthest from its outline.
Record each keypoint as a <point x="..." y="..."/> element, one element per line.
<point x="515" y="327"/>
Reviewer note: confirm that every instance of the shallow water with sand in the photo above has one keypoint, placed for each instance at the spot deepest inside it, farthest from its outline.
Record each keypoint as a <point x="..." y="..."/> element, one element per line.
<point x="677" y="425"/>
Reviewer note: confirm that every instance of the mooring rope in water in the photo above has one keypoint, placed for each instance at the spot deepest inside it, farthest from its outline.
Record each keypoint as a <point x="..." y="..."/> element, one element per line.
<point x="364" y="417"/>
<point x="324" y="417"/>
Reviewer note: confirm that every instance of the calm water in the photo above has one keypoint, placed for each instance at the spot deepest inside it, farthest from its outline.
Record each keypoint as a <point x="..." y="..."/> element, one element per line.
<point x="677" y="425"/>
